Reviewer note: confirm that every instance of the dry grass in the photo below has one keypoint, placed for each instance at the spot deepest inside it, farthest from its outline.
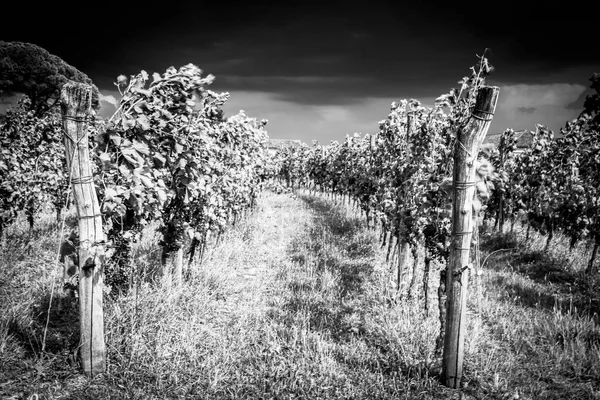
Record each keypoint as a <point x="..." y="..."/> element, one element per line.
<point x="296" y="302"/>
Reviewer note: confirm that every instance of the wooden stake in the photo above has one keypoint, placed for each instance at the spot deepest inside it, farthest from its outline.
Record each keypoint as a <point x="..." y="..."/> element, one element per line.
<point x="178" y="268"/>
<point x="457" y="277"/>
<point x="590" y="267"/>
<point x="403" y="261"/>
<point x="76" y="110"/>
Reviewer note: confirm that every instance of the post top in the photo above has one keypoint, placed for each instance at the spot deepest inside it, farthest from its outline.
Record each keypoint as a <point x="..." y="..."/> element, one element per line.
<point x="76" y="99"/>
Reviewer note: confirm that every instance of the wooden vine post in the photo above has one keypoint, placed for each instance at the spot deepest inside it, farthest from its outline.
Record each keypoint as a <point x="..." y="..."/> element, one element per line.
<point x="457" y="277"/>
<point x="403" y="245"/>
<point x="76" y="110"/>
<point x="177" y="268"/>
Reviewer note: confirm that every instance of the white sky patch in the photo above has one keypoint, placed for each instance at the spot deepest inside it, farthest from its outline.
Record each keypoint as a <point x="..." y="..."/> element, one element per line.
<point x="108" y="103"/>
<point x="108" y="98"/>
<point x="548" y="101"/>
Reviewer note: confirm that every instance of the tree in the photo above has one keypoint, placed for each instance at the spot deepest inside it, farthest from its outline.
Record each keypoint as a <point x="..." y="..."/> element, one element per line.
<point x="29" y="69"/>
<point x="592" y="102"/>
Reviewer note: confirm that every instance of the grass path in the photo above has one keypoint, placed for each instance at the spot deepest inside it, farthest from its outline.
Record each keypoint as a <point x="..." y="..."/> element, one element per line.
<point x="253" y="258"/>
<point x="296" y="302"/>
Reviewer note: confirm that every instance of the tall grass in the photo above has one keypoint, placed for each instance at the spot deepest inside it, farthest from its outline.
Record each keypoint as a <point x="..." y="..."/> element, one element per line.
<point x="298" y="302"/>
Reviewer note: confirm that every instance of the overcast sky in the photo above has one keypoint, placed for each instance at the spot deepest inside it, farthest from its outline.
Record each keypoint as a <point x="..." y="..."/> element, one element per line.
<point x="319" y="71"/>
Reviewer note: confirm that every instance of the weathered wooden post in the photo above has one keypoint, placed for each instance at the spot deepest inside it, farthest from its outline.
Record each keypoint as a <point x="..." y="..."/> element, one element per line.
<point x="172" y="267"/>
<point x="178" y="268"/>
<point x="403" y="253"/>
<point x="457" y="276"/>
<point x="403" y="245"/>
<point x="76" y="110"/>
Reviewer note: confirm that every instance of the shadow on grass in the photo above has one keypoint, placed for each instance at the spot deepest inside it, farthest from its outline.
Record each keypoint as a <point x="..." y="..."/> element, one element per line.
<point x="62" y="334"/>
<point x="556" y="298"/>
<point x="556" y="288"/>
<point x="340" y="227"/>
<point x="336" y="309"/>
<point x="26" y="257"/>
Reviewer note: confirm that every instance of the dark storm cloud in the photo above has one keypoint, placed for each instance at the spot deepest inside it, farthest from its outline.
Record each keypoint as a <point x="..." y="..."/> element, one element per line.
<point x="409" y="47"/>
<point x="304" y="62"/>
<point x="350" y="61"/>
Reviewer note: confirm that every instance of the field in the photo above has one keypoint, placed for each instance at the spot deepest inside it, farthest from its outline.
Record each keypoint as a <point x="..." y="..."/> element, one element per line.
<point x="297" y="301"/>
